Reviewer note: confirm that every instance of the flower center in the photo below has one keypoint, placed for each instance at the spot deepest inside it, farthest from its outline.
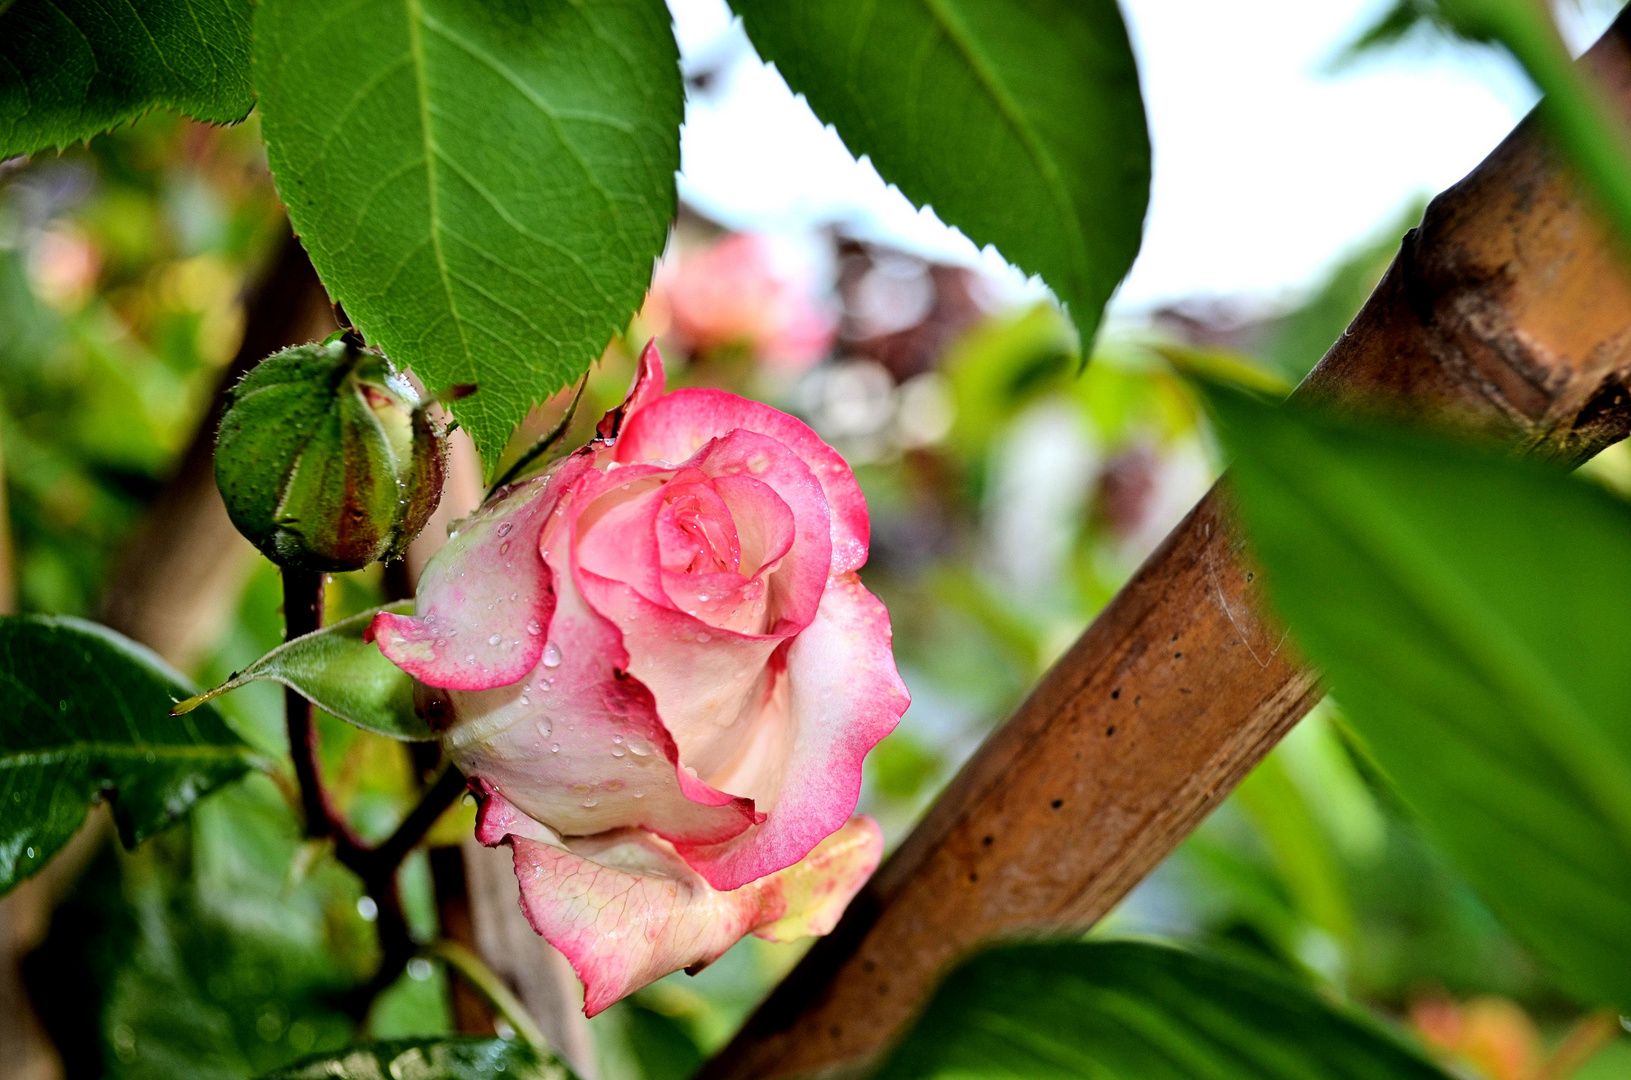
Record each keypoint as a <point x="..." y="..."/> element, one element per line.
<point x="697" y="535"/>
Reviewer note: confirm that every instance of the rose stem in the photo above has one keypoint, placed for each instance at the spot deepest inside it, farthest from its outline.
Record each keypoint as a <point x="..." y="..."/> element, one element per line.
<point x="302" y="614"/>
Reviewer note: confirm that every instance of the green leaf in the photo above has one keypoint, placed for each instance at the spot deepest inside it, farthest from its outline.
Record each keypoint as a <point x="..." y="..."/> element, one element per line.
<point x="340" y="673"/>
<point x="1123" y="1010"/>
<point x="1468" y="610"/>
<point x="87" y="715"/>
<point x="431" y="1059"/>
<point x="204" y="954"/>
<point x="1019" y="121"/>
<point x="484" y="186"/>
<point x="71" y="69"/>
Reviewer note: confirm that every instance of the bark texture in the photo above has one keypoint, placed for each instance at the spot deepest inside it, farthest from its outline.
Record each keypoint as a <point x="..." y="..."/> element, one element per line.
<point x="1508" y="311"/>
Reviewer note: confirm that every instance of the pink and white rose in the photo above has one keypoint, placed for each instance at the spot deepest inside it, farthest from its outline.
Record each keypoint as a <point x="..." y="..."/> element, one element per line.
<point x="659" y="671"/>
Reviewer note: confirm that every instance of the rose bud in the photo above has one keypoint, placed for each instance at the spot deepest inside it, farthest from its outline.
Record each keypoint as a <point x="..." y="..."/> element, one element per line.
<point x="660" y="673"/>
<point x="326" y="458"/>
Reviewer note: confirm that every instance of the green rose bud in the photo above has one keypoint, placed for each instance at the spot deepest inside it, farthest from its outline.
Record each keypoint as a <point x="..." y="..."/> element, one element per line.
<point x="326" y="458"/>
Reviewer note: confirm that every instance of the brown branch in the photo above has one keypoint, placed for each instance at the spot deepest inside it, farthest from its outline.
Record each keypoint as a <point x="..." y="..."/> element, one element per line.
<point x="1506" y="311"/>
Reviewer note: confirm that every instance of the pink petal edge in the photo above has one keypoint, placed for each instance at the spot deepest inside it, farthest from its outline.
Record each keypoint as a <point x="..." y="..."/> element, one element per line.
<point x="484" y="602"/>
<point x="625" y="910"/>
<point x="846" y="695"/>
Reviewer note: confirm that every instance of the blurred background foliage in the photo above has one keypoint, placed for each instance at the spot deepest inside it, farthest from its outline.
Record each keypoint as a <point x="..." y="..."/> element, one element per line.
<point x="1012" y="491"/>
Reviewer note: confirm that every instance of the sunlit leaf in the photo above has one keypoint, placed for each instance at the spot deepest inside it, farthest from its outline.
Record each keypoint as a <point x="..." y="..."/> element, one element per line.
<point x="340" y="673"/>
<point x="1468" y="610"/>
<point x="431" y="1059"/>
<point x="87" y="716"/>
<point x="1019" y="121"/>
<point x="71" y="69"/>
<point x="483" y="186"/>
<point x="1125" y="1010"/>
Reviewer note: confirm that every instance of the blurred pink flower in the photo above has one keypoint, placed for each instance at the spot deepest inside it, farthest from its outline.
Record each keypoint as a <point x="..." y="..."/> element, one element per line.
<point x="734" y="294"/>
<point x="63" y="266"/>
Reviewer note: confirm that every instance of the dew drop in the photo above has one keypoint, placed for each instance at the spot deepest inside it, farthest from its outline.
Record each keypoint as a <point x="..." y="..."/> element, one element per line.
<point x="525" y="700"/>
<point x="554" y="748"/>
<point x="533" y="628"/>
<point x="704" y="637"/>
<point x="618" y="739"/>
<point x="639" y="794"/>
<point x="589" y="803"/>
<point x="552" y="655"/>
<point x="638" y="748"/>
<point x="618" y="752"/>
<point x="471" y="659"/>
<point x="493" y="640"/>
<point x="441" y="643"/>
<point x="504" y="529"/>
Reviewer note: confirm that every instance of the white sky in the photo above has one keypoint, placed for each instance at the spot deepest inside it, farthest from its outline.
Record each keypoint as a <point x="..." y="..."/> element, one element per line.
<point x="1266" y="167"/>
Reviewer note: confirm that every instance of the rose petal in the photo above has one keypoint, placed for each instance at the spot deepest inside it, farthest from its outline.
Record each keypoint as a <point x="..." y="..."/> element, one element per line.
<point x="800" y="756"/>
<point x="578" y="745"/>
<point x="712" y="688"/>
<point x="647" y="387"/>
<point x="484" y="600"/>
<point x="626" y="910"/>
<point x="676" y="426"/>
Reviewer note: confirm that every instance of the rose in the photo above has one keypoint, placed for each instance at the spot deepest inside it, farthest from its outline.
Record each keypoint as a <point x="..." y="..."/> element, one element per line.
<point x="658" y="669"/>
<point x="734" y="294"/>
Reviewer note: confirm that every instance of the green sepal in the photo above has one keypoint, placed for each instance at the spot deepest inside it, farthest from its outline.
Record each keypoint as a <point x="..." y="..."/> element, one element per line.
<point x="340" y="673"/>
<point x="326" y="458"/>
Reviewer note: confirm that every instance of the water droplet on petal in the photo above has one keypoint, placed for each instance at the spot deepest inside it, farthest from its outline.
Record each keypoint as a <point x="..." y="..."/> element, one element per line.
<point x="504" y="548"/>
<point x="554" y="748"/>
<point x="618" y="752"/>
<point x="639" y="794"/>
<point x="618" y="739"/>
<point x="638" y="748"/>
<point x="525" y="700"/>
<point x="533" y="628"/>
<point x="471" y="659"/>
<point x="552" y="655"/>
<point x="704" y="637"/>
<point x="589" y="803"/>
<point x="504" y="529"/>
<point x="493" y="640"/>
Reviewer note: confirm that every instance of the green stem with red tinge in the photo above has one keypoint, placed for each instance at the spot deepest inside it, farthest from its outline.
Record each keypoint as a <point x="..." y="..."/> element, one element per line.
<point x="377" y="866"/>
